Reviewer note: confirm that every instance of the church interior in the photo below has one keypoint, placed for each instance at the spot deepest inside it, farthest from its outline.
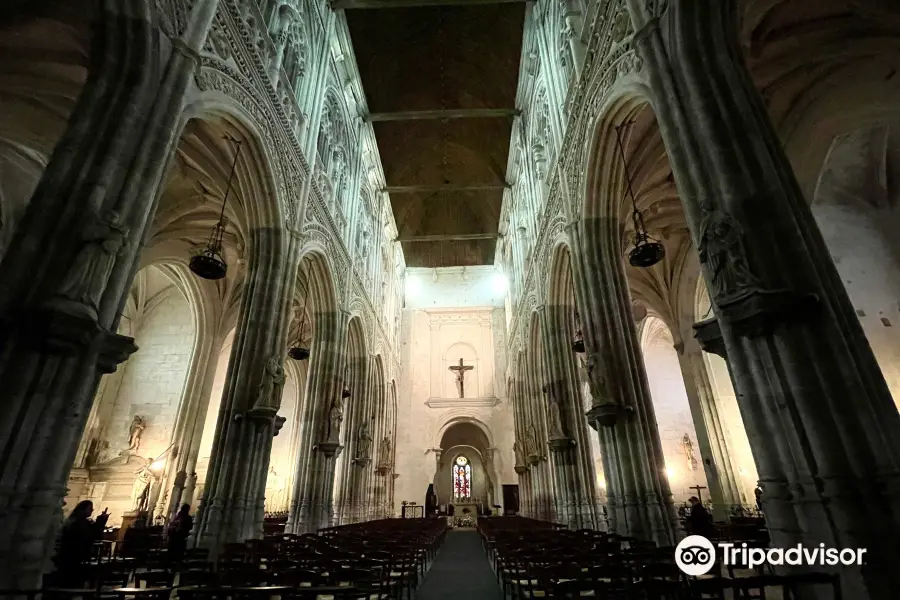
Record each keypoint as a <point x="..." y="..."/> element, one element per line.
<point x="370" y="299"/>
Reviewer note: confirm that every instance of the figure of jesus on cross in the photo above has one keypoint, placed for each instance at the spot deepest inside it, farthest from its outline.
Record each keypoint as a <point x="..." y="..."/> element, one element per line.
<point x="460" y="376"/>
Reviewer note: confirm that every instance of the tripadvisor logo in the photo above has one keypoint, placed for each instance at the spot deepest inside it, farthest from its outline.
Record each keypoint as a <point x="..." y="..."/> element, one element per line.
<point x="695" y="555"/>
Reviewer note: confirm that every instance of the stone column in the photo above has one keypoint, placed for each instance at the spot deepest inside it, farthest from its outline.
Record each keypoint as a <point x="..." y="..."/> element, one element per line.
<point x="280" y="42"/>
<point x="638" y="493"/>
<point x="312" y="497"/>
<point x="300" y="370"/>
<point x="721" y="474"/>
<point x="191" y="417"/>
<point x="233" y="504"/>
<point x="67" y="271"/>
<point x="573" y="456"/>
<point x="358" y="456"/>
<point x="821" y="421"/>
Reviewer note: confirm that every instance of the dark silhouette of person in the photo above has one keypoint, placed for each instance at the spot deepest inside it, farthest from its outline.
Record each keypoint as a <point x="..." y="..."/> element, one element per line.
<point x="450" y="510"/>
<point x="178" y="533"/>
<point x="699" y="521"/>
<point x="76" y="544"/>
<point x="758" y="493"/>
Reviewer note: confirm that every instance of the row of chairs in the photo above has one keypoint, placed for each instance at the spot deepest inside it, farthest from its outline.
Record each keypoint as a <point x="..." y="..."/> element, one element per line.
<point x="375" y="560"/>
<point x="533" y="559"/>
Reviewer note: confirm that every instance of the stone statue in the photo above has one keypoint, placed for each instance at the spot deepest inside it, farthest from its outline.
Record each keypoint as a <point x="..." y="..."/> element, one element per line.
<point x="596" y="380"/>
<point x="519" y="452"/>
<point x="140" y="491"/>
<point x="438" y="457"/>
<point x="135" y="431"/>
<point x="384" y="452"/>
<point x="532" y="442"/>
<point x="364" y="443"/>
<point x="273" y="378"/>
<point x="335" y="418"/>
<point x="555" y="421"/>
<point x="101" y="242"/>
<point x="722" y="250"/>
<point x="689" y="452"/>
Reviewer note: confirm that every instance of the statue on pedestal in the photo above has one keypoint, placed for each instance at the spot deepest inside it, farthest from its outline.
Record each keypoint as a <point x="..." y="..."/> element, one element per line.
<point x="140" y="491"/>
<point x="101" y="241"/>
<point x="722" y="251"/>
<point x="135" y="431"/>
<point x="519" y="452"/>
<point x="273" y="378"/>
<point x="555" y="421"/>
<point x="335" y="418"/>
<point x="364" y="443"/>
<point x="384" y="453"/>
<point x="532" y="442"/>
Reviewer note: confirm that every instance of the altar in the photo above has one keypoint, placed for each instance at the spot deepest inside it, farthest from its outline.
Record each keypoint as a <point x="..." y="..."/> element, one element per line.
<point x="461" y="518"/>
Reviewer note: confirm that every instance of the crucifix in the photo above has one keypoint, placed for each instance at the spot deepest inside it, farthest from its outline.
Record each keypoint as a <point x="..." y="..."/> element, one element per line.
<point x="698" y="488"/>
<point x="460" y="376"/>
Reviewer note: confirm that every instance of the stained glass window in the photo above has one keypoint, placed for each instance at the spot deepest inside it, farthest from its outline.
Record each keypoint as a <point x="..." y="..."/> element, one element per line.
<point x="462" y="478"/>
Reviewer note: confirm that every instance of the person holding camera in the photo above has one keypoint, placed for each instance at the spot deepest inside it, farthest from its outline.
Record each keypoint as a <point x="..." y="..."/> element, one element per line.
<point x="76" y="544"/>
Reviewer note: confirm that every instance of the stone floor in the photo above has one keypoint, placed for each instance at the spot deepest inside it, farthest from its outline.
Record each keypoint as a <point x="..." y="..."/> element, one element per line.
<point x="461" y="570"/>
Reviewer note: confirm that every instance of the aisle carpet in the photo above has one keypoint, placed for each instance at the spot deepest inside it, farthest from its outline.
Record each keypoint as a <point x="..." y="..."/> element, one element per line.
<point x="460" y="571"/>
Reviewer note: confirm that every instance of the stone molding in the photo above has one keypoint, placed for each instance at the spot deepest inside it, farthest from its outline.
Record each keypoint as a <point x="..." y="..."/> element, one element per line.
<point x="489" y="402"/>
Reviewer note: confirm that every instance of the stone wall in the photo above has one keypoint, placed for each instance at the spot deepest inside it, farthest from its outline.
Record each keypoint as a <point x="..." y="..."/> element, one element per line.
<point x="434" y="336"/>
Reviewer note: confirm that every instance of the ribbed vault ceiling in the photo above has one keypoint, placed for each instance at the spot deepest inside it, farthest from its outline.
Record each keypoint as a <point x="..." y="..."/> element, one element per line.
<point x="432" y="59"/>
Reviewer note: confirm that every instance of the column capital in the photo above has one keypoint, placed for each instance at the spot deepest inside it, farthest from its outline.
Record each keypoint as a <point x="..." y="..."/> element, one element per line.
<point x="709" y="335"/>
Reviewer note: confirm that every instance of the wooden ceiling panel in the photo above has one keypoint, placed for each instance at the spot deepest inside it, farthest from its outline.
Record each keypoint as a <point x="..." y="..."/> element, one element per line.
<point x="456" y="58"/>
<point x="414" y="152"/>
<point x="438" y="57"/>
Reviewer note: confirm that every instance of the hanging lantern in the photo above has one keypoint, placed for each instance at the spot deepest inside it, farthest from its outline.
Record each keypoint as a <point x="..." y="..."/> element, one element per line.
<point x="647" y="251"/>
<point x="578" y="337"/>
<point x="210" y="263"/>
<point x="298" y="353"/>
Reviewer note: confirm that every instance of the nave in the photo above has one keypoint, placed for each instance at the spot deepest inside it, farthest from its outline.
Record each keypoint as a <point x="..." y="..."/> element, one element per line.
<point x="606" y="264"/>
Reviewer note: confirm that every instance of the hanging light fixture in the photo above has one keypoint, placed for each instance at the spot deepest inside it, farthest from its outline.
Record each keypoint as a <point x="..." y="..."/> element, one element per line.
<point x="578" y="337"/>
<point x="647" y="251"/>
<point x="299" y="352"/>
<point x="210" y="263"/>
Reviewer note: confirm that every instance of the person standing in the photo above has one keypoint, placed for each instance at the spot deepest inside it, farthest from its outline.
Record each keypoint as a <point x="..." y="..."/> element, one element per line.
<point x="178" y="532"/>
<point x="699" y="521"/>
<point x="76" y="544"/>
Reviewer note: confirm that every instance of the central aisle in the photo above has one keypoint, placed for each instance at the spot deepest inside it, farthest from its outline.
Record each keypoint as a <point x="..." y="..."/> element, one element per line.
<point x="460" y="570"/>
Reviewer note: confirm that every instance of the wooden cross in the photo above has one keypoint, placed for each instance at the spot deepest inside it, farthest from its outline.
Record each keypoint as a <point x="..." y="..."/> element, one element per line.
<point x="460" y="376"/>
<point x="699" y="495"/>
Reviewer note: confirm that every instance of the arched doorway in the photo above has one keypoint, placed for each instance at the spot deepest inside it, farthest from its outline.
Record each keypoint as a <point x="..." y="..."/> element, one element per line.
<point x="465" y="448"/>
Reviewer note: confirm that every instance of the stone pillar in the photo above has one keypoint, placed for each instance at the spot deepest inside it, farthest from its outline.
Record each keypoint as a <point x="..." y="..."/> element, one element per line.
<point x="721" y="475"/>
<point x="575" y="455"/>
<point x="191" y="417"/>
<point x="638" y="493"/>
<point x="280" y="42"/>
<point x="67" y="271"/>
<point x="358" y="455"/>
<point x="300" y="370"/>
<point x="313" y="486"/>
<point x="820" y="418"/>
<point x="233" y="504"/>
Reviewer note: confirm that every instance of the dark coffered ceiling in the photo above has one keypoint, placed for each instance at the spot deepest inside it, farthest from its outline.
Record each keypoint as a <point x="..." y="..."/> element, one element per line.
<point x="440" y="83"/>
